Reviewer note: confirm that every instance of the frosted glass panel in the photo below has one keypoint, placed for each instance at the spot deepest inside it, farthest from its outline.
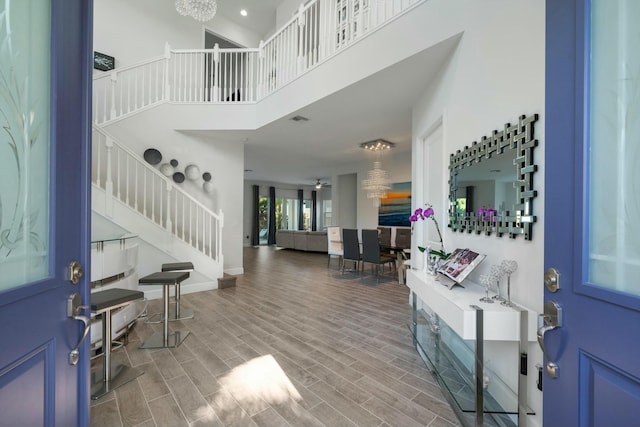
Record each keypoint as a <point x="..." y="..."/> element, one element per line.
<point x="614" y="191"/>
<point x="24" y="140"/>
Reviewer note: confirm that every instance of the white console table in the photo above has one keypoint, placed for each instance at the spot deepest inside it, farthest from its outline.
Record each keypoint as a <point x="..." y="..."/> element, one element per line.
<point x="454" y="307"/>
<point x="451" y="328"/>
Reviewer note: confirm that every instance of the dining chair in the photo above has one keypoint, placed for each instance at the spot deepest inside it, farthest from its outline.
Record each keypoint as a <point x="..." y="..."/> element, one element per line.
<point x="351" y="248"/>
<point x="384" y="237"/>
<point x="403" y="238"/>
<point x="371" y="252"/>
<point x="334" y="244"/>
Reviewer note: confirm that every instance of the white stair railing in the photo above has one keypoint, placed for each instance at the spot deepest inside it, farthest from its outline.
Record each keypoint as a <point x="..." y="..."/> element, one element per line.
<point x="213" y="75"/>
<point x="126" y="177"/>
<point x="319" y="30"/>
<point x="129" y="89"/>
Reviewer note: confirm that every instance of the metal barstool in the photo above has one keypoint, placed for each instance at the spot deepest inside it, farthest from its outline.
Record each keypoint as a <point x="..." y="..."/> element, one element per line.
<point x="104" y="302"/>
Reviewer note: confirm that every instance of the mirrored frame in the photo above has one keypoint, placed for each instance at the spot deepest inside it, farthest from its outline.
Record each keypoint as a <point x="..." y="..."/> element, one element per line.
<point x="516" y="143"/>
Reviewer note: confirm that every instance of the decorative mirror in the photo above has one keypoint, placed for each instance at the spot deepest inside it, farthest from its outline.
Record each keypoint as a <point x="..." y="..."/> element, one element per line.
<point x="491" y="182"/>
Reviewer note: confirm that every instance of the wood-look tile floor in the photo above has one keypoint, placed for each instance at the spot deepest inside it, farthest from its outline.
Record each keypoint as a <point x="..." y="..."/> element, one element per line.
<point x="293" y="344"/>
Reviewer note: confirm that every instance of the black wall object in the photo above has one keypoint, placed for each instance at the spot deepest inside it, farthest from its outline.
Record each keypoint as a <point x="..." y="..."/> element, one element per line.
<point x="152" y="156"/>
<point x="178" y="177"/>
<point x="103" y="62"/>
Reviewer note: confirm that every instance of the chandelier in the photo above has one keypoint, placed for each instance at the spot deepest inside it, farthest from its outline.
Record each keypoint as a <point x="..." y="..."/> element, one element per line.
<point x="377" y="182"/>
<point x="201" y="10"/>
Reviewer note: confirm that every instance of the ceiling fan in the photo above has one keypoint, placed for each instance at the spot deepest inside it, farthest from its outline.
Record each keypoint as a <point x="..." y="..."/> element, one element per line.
<point x="320" y="185"/>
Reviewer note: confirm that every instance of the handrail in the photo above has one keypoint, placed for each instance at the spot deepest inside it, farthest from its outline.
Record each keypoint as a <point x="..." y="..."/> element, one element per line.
<point x="125" y="176"/>
<point x="314" y="34"/>
<point x="129" y="67"/>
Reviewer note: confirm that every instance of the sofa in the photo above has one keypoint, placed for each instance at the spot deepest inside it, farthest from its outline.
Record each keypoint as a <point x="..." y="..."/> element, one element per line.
<point x="314" y="241"/>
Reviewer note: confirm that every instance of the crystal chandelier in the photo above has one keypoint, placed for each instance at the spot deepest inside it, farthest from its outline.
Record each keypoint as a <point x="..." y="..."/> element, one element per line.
<point x="201" y="10"/>
<point x="377" y="182"/>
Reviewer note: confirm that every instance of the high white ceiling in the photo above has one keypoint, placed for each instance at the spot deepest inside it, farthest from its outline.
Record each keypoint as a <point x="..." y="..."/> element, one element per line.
<point x="261" y="14"/>
<point x="299" y="153"/>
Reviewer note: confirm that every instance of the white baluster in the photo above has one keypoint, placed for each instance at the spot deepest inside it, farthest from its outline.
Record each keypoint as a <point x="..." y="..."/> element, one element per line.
<point x="215" y="89"/>
<point x="219" y="235"/>
<point x="135" y="190"/>
<point x="109" y="182"/>
<point x="191" y="223"/>
<point x="261" y="70"/>
<point x="184" y="221"/>
<point x="167" y="60"/>
<point x="168" y="224"/>
<point x="300" y="40"/>
<point x="118" y="179"/>
<point x="144" y="192"/>
<point x="153" y="199"/>
<point x="98" y="152"/>
<point x="114" y="80"/>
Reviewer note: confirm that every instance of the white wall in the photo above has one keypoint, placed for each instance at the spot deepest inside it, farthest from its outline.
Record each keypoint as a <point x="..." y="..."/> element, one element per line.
<point x="136" y="30"/>
<point x="496" y="75"/>
<point x="286" y="10"/>
<point x="345" y="200"/>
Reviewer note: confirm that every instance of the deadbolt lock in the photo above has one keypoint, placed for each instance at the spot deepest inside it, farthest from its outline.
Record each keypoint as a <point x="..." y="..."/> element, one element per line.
<point x="74" y="272"/>
<point x="552" y="279"/>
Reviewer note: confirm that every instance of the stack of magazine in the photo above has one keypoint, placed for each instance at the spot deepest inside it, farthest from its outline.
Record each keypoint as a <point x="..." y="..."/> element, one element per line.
<point x="458" y="266"/>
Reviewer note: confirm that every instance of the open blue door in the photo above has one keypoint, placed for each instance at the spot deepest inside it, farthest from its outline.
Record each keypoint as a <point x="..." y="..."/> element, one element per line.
<point x="45" y="115"/>
<point x="592" y="208"/>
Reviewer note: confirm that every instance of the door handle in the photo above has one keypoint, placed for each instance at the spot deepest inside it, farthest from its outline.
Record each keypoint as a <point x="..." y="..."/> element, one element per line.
<point x="551" y="319"/>
<point x="73" y="311"/>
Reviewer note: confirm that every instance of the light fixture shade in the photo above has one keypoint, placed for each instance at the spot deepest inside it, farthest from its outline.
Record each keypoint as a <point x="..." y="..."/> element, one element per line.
<point x="202" y="10"/>
<point x="182" y="7"/>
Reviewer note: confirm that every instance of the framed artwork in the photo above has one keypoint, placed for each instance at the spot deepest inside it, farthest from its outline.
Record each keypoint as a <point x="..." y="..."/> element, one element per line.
<point x="395" y="209"/>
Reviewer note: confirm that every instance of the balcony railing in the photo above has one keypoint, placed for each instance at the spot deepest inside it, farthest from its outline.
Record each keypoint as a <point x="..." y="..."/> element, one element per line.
<point x="319" y="30"/>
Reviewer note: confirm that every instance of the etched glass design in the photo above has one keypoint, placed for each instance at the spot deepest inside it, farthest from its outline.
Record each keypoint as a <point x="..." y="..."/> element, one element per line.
<point x="24" y="140"/>
<point x="614" y="151"/>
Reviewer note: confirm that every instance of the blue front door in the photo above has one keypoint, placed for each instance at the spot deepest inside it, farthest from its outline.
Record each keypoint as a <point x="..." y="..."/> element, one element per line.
<point x="592" y="204"/>
<point x="45" y="72"/>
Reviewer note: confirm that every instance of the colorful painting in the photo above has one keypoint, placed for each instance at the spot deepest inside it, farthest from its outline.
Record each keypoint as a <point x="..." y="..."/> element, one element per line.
<point x="395" y="209"/>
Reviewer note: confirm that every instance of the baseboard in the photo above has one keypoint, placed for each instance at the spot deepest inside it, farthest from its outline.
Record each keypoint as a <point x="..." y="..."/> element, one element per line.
<point x="234" y="271"/>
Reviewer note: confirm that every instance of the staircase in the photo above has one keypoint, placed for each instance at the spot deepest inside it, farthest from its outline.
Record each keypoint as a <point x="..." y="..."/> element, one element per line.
<point x="135" y="195"/>
<point x="139" y="198"/>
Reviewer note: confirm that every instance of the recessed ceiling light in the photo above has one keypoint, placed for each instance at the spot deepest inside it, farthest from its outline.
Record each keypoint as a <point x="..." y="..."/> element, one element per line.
<point x="243" y="12"/>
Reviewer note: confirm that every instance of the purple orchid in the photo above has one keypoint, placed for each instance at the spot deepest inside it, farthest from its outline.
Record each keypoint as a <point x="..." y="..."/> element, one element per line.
<point x="422" y="214"/>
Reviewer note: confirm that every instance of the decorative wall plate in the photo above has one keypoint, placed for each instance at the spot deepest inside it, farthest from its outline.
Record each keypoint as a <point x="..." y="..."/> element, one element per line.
<point x="178" y="177"/>
<point x="152" y="156"/>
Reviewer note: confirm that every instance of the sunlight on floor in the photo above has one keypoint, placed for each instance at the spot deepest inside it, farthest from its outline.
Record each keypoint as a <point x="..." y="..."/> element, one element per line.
<point x="259" y="378"/>
<point x="254" y="386"/>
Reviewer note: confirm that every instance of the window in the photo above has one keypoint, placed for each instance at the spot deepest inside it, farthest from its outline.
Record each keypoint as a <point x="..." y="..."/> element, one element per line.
<point x="327" y="214"/>
<point x="263" y="219"/>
